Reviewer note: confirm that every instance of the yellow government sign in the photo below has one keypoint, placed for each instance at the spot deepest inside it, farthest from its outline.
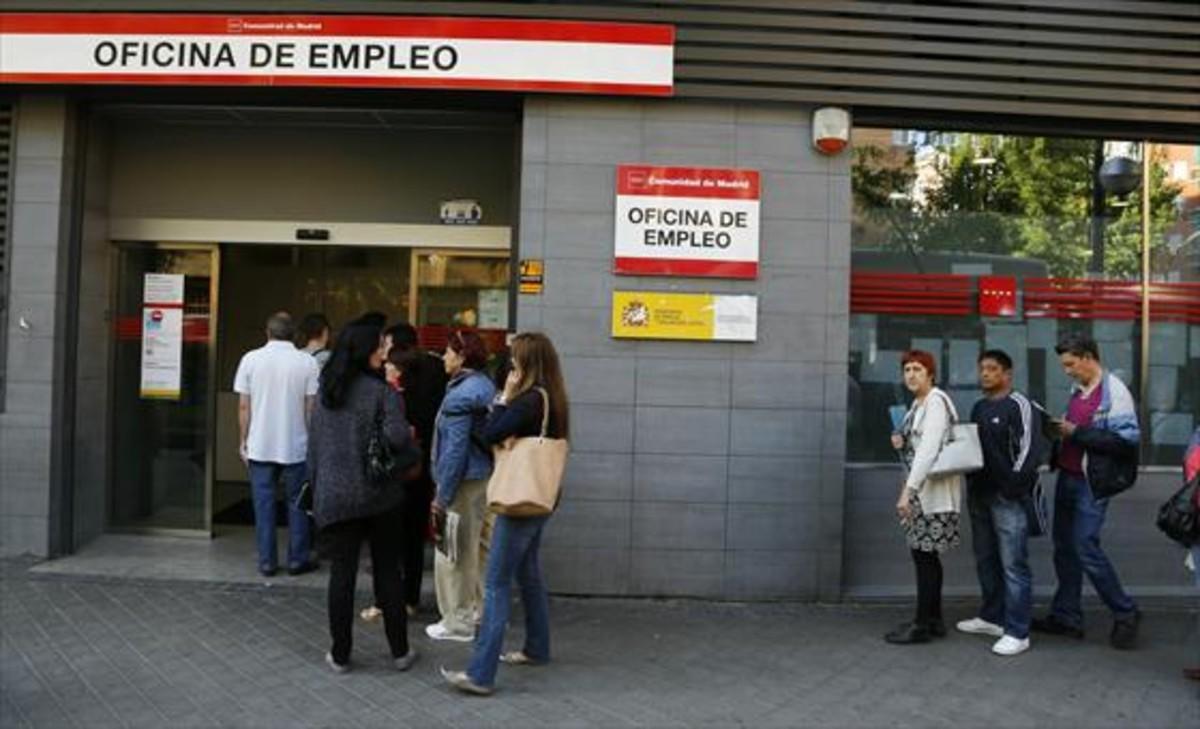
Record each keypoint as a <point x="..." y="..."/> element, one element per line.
<point x="666" y="315"/>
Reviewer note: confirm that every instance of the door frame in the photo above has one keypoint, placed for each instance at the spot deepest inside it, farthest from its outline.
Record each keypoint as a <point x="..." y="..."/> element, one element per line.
<point x="118" y="246"/>
<point x="414" y="283"/>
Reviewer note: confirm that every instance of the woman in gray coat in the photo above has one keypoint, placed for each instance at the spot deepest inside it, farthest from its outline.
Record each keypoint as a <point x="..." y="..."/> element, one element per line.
<point x="348" y="507"/>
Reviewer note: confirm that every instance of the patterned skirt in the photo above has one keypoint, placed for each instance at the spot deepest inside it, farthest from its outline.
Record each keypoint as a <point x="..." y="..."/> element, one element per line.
<point x="931" y="532"/>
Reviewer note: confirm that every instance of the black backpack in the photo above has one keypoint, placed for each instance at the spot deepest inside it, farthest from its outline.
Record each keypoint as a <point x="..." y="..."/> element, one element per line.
<point x="1179" y="516"/>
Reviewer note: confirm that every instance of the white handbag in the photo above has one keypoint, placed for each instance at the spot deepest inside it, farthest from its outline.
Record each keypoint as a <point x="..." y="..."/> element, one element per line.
<point x="961" y="451"/>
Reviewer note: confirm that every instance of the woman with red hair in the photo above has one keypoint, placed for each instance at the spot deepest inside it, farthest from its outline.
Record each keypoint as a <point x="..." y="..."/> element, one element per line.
<point x="928" y="506"/>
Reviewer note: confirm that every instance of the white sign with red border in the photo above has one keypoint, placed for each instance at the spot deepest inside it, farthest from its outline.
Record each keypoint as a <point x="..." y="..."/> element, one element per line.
<point x="162" y="336"/>
<point x="337" y="50"/>
<point x="687" y="221"/>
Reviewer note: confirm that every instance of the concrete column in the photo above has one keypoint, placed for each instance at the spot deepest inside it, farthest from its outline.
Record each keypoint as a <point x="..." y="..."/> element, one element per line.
<point x="40" y="228"/>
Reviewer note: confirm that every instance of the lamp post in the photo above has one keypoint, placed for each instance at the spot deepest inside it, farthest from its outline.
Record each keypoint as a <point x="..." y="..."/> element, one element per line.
<point x="1145" y="388"/>
<point x="1116" y="175"/>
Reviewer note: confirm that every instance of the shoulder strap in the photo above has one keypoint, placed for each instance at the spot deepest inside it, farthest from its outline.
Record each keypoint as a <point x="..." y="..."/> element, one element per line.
<point x="949" y="405"/>
<point x="545" y="410"/>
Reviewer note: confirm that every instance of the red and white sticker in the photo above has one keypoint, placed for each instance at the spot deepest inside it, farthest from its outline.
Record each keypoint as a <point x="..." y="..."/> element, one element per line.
<point x="336" y="50"/>
<point x="687" y="221"/>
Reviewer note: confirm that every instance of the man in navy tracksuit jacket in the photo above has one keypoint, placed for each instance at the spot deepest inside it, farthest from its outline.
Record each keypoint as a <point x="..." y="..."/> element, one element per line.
<point x="999" y="499"/>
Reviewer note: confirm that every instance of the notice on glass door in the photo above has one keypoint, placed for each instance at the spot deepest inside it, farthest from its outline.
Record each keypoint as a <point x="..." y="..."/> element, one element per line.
<point x="162" y="336"/>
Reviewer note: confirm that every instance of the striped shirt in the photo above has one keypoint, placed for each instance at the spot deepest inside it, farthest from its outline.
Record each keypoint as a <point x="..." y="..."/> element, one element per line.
<point x="1009" y="428"/>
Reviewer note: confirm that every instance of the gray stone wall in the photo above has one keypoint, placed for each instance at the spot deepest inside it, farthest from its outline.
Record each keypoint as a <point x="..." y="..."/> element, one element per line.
<point x="40" y="225"/>
<point x="698" y="468"/>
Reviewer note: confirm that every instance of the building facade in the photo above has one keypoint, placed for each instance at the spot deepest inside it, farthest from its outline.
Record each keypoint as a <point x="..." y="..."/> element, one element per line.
<point x="751" y="468"/>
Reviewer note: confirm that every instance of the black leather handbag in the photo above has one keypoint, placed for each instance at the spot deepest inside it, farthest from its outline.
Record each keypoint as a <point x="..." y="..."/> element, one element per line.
<point x="385" y="464"/>
<point x="1179" y="516"/>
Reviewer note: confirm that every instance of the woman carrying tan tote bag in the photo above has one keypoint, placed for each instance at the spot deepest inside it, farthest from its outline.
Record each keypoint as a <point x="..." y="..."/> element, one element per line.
<point x="529" y="428"/>
<point x="527" y="477"/>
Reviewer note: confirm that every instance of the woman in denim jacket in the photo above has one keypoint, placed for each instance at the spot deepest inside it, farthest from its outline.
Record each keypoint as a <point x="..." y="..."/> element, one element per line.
<point x="461" y="467"/>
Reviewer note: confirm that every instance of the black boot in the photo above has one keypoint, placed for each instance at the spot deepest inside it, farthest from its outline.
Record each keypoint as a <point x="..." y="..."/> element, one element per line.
<point x="908" y="633"/>
<point x="937" y="628"/>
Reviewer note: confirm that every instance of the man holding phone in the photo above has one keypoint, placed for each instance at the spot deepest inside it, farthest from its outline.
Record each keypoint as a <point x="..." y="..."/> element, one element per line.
<point x="1097" y="459"/>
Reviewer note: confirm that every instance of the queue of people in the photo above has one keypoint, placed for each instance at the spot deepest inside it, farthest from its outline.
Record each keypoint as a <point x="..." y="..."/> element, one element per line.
<point x="1093" y="447"/>
<point x="394" y="444"/>
<point x="379" y="404"/>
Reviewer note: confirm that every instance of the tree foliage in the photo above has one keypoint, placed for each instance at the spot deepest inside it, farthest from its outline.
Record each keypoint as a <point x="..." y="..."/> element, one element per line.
<point x="1029" y="198"/>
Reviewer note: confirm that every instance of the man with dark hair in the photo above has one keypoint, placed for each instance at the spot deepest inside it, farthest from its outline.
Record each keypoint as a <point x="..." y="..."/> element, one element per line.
<point x="1097" y="459"/>
<point x="998" y="499"/>
<point x="277" y="388"/>
<point x="313" y="337"/>
<point x="423" y="379"/>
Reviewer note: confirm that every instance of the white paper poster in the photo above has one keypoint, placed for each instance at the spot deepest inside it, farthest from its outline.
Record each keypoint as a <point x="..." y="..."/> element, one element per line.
<point x="162" y="336"/>
<point x="493" y="308"/>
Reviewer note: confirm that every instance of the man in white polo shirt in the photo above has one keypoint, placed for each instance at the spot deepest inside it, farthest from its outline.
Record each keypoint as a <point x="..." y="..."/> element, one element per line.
<point x="277" y="388"/>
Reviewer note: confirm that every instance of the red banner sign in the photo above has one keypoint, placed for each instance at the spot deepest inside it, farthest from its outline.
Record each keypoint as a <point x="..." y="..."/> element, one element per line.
<point x="336" y="50"/>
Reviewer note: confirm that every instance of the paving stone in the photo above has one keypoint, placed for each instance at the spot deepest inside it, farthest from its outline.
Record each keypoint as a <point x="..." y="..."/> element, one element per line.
<point x="137" y="654"/>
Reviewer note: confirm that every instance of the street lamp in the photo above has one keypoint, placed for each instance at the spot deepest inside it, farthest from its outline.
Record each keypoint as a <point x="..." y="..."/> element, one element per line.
<point x="1117" y="175"/>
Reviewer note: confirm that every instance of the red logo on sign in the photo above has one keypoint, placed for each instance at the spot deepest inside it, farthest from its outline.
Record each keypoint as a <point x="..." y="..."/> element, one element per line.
<point x="997" y="295"/>
<point x="156" y="315"/>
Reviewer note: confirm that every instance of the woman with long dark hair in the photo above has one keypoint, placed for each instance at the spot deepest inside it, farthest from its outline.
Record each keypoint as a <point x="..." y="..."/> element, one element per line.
<point x="348" y="506"/>
<point x="516" y="541"/>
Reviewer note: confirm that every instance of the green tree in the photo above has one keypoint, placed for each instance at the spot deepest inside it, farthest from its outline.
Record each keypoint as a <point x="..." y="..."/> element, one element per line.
<point x="1027" y="197"/>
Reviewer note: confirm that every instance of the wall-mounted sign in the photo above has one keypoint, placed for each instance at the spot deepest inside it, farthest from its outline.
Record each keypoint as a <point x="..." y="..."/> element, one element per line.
<point x="998" y="295"/>
<point x="336" y="50"/>
<point x="162" y="336"/>
<point x="460" y="212"/>
<point x="493" y="308"/>
<point x="666" y="315"/>
<point x="686" y="221"/>
<point x="532" y="275"/>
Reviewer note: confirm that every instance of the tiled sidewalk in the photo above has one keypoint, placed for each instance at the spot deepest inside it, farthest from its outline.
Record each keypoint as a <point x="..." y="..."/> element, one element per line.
<point x="76" y="652"/>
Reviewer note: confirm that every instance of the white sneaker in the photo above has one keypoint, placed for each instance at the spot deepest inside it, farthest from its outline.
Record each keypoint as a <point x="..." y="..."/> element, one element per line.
<point x="1010" y="646"/>
<point x="437" y="631"/>
<point x="979" y="626"/>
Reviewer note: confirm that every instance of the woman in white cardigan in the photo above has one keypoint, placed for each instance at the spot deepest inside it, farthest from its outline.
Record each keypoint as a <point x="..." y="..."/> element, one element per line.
<point x="928" y="507"/>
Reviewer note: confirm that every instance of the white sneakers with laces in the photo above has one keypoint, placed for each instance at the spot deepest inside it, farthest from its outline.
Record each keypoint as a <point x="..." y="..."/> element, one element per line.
<point x="437" y="631"/>
<point x="1010" y="646"/>
<point x="979" y="626"/>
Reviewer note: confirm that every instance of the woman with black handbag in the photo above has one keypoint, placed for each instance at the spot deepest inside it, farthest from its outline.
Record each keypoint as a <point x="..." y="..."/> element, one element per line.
<point x="360" y="449"/>
<point x="533" y="404"/>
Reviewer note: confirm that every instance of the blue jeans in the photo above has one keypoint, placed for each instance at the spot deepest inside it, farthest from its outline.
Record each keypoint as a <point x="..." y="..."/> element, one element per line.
<point x="1078" y="519"/>
<point x="1000" y="537"/>
<point x="263" y="476"/>
<point x="514" y="554"/>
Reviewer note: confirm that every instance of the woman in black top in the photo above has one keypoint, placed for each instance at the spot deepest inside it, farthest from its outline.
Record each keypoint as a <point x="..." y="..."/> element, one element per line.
<point x="516" y="541"/>
<point x="350" y="508"/>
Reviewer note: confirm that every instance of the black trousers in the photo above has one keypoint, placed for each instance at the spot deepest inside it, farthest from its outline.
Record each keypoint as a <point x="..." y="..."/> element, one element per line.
<point x="418" y="497"/>
<point x="342" y="544"/>
<point x="929" y="586"/>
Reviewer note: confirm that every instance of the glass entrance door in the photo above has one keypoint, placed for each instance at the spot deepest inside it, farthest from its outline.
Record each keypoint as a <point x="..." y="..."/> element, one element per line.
<point x="162" y="388"/>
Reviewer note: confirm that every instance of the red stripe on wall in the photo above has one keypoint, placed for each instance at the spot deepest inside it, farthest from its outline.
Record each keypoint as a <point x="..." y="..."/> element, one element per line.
<point x="682" y="267"/>
<point x="336" y="25"/>
<point x="874" y="292"/>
